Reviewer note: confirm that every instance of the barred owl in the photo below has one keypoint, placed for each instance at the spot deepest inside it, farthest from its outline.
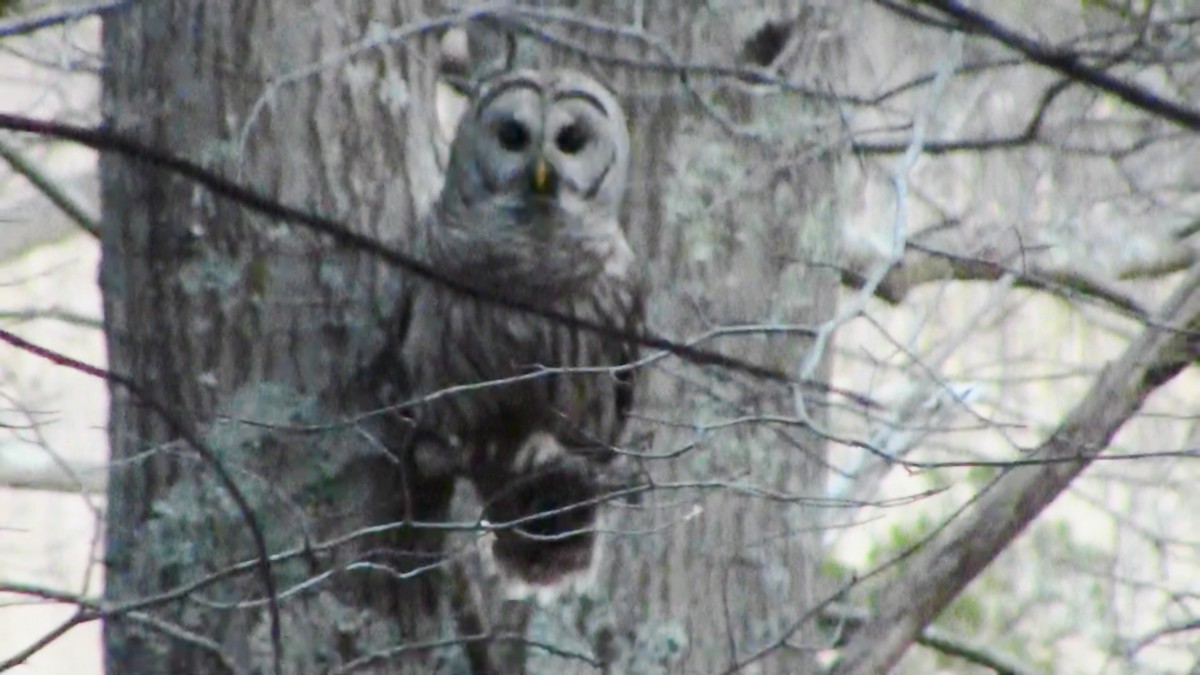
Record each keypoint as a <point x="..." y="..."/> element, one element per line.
<point x="530" y="212"/>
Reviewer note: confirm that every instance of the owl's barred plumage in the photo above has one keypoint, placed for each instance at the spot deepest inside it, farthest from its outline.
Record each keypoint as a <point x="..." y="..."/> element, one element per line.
<point x="529" y="212"/>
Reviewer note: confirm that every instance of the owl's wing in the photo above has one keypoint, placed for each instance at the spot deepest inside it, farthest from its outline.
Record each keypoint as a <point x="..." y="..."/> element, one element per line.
<point x="629" y="350"/>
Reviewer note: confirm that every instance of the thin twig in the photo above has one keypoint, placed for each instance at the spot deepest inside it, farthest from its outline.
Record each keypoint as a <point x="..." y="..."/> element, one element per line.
<point x="50" y="189"/>
<point x="1067" y="63"/>
<point x="851" y="618"/>
<point x="183" y="430"/>
<point x="29" y="25"/>
<point x="52" y="314"/>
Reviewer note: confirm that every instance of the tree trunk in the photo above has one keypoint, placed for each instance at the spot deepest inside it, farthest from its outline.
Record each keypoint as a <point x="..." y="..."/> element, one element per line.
<point x="222" y="315"/>
<point x="214" y="310"/>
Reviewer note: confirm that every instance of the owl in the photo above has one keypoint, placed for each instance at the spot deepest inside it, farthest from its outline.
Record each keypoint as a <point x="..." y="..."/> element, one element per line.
<point x="525" y="406"/>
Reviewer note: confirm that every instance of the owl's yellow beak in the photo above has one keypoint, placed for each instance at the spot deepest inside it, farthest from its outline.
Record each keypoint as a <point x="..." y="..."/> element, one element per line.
<point x="543" y="179"/>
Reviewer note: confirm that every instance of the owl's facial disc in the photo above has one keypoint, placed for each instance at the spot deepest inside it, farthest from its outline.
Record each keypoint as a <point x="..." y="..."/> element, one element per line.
<point x="549" y="150"/>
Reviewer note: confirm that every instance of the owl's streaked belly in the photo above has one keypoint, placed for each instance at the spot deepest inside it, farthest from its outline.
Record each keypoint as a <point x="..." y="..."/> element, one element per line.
<point x="496" y="373"/>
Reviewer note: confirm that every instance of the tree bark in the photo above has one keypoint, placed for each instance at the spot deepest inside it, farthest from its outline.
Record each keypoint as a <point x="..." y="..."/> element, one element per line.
<point x="215" y="311"/>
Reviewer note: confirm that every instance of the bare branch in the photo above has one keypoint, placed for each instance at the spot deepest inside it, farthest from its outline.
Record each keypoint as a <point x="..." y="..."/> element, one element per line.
<point x="924" y="264"/>
<point x="1070" y="283"/>
<point x="1160" y="633"/>
<point x="1029" y="135"/>
<point x="1067" y="63"/>
<point x="850" y="619"/>
<point x="47" y="187"/>
<point x="52" y="314"/>
<point x="375" y="658"/>
<point x="91" y="609"/>
<point x="29" y="25"/>
<point x="181" y="428"/>
<point x="41" y="643"/>
<point x="938" y="571"/>
<point x="31" y="467"/>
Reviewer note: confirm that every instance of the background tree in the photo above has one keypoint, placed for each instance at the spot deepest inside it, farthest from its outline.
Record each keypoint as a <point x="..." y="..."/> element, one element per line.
<point x="1042" y="151"/>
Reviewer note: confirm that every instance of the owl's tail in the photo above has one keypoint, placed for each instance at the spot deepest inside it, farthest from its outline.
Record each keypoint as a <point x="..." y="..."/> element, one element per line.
<point x="546" y="511"/>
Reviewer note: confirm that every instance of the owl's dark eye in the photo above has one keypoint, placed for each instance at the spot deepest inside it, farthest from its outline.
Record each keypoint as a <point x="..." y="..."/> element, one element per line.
<point x="513" y="135"/>
<point x="571" y="138"/>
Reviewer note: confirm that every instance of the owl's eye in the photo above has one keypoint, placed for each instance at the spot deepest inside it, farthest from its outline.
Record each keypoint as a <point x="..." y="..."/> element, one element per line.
<point x="571" y="139"/>
<point x="513" y="135"/>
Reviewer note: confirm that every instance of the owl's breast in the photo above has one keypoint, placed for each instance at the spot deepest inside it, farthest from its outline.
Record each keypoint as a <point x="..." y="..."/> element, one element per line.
<point x="493" y="372"/>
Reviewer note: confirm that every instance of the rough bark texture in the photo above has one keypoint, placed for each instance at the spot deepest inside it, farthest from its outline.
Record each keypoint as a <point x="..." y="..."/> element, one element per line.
<point x="216" y="311"/>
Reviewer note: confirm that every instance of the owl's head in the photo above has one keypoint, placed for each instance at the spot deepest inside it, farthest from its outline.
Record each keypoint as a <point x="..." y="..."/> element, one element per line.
<point x="552" y="143"/>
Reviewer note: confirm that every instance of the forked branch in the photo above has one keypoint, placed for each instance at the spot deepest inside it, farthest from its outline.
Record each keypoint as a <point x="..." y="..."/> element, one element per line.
<point x="938" y="571"/>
